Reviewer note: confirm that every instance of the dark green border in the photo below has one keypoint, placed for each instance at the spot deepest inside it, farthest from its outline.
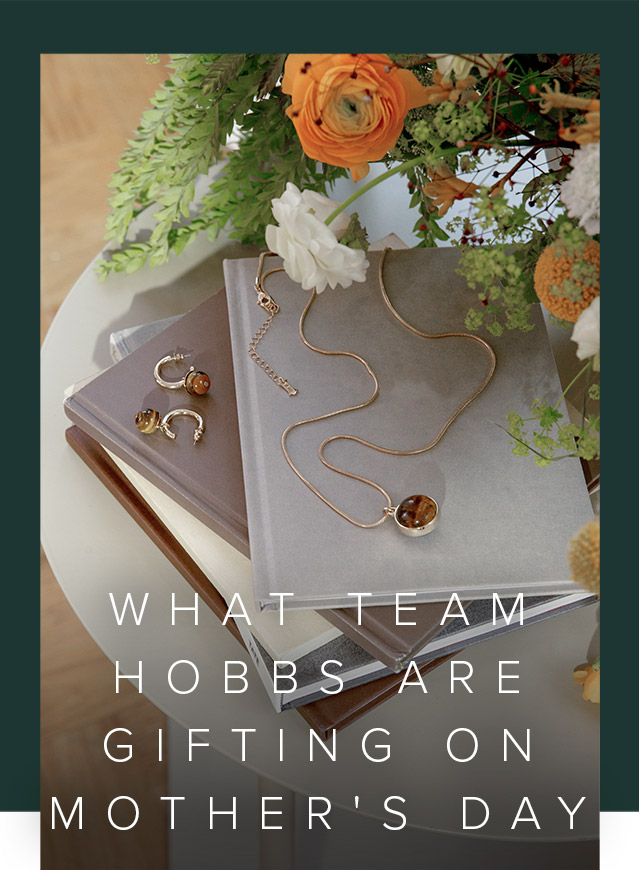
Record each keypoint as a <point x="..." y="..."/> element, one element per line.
<point x="34" y="28"/>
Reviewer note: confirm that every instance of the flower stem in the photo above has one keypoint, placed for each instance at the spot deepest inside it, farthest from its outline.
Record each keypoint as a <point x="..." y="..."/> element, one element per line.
<point x="572" y="382"/>
<point x="409" y="164"/>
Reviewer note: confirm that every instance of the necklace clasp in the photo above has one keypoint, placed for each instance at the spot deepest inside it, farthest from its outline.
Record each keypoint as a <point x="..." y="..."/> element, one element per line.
<point x="265" y="301"/>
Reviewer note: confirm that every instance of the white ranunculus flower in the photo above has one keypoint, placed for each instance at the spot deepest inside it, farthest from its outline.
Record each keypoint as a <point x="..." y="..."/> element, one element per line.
<point x="581" y="190"/>
<point x="311" y="253"/>
<point x="586" y="332"/>
<point x="461" y="64"/>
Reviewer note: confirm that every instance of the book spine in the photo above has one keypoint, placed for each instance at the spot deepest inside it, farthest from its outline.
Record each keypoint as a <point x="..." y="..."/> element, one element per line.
<point x="258" y="661"/>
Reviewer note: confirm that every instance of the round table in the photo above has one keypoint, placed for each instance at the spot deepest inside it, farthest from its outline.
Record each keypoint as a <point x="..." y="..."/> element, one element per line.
<point x="95" y="548"/>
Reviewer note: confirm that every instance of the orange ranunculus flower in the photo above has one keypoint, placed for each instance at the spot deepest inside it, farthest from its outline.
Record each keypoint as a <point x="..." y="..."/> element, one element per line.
<point x="349" y="109"/>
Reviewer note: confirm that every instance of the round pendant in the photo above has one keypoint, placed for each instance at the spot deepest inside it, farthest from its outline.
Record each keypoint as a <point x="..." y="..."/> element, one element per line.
<point x="417" y="515"/>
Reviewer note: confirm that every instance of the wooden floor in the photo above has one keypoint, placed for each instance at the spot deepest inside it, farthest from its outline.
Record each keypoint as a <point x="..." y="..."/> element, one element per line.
<point x="90" y="105"/>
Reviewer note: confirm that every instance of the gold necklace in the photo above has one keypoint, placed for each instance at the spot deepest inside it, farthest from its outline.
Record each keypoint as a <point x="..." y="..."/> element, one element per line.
<point x="415" y="515"/>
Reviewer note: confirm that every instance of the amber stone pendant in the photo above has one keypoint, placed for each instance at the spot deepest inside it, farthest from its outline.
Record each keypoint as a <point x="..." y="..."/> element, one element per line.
<point x="197" y="383"/>
<point x="417" y="515"/>
<point x="148" y="420"/>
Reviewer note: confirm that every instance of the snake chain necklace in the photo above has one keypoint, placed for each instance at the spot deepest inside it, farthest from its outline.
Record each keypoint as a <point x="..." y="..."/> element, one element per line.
<point x="416" y="515"/>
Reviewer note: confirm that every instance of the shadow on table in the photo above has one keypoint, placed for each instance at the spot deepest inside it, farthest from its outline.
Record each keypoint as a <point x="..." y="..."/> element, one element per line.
<point x="173" y="298"/>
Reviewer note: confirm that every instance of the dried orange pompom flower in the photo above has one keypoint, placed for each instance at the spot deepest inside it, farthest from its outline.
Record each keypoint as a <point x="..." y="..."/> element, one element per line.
<point x="568" y="280"/>
<point x="349" y="109"/>
<point x="584" y="557"/>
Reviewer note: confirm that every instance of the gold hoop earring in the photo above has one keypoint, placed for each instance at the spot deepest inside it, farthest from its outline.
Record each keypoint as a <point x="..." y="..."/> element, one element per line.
<point x="149" y="421"/>
<point x="196" y="383"/>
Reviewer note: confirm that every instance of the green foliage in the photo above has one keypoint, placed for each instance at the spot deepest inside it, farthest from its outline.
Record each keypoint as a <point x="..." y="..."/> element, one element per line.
<point x="183" y="134"/>
<point x="473" y="320"/>
<point x="499" y="276"/>
<point x="258" y="171"/>
<point x="502" y="272"/>
<point x="271" y="75"/>
<point x="560" y="323"/>
<point x="221" y="73"/>
<point x="355" y="235"/>
<point x="550" y="434"/>
<point x="453" y="122"/>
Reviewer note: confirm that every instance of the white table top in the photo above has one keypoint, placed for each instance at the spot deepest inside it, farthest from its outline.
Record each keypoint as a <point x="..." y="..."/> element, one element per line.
<point x="95" y="548"/>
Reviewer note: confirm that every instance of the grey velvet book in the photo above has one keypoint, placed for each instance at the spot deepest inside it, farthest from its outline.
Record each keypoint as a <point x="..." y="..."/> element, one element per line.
<point x="505" y="523"/>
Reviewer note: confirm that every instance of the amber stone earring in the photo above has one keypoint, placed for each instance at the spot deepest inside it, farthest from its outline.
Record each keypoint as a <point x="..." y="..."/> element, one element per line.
<point x="194" y="382"/>
<point x="149" y="421"/>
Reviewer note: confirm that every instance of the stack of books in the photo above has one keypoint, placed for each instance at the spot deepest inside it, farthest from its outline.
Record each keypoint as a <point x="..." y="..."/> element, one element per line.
<point x="235" y="521"/>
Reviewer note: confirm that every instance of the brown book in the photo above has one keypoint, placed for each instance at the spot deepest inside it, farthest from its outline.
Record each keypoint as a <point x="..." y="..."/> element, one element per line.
<point x="207" y="480"/>
<point x="334" y="711"/>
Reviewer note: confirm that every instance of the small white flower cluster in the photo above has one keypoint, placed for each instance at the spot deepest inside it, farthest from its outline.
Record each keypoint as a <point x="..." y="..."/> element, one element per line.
<point x="581" y="191"/>
<point x="311" y="253"/>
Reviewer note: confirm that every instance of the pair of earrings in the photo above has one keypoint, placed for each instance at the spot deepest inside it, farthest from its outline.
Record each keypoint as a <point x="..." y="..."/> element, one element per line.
<point x="196" y="383"/>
